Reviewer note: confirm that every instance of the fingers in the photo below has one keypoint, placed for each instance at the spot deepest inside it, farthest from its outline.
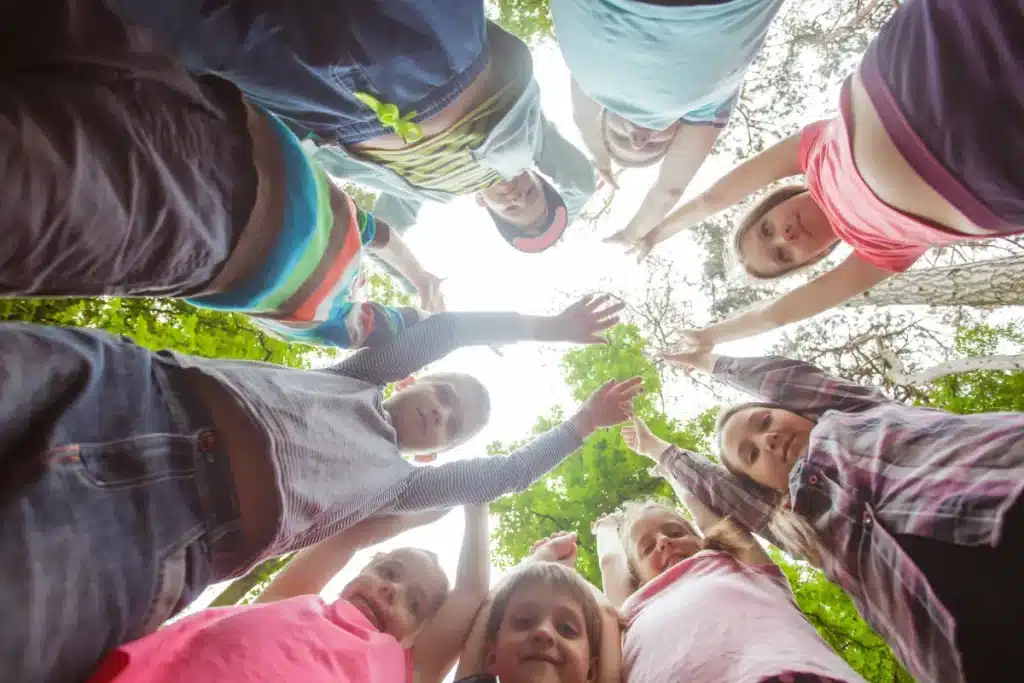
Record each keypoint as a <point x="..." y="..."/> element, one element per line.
<point x="629" y="388"/>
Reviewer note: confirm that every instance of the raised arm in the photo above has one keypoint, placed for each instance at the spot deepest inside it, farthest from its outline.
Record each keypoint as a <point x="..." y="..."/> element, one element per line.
<point x="481" y="480"/>
<point x="439" y="644"/>
<point x="440" y="334"/>
<point x="850" y="278"/>
<point x="569" y="169"/>
<point x="792" y="384"/>
<point x="312" y="568"/>
<point x="775" y="163"/>
<point x="587" y="115"/>
<point x="689" y="148"/>
<point x="389" y="246"/>
<point x="616" y="579"/>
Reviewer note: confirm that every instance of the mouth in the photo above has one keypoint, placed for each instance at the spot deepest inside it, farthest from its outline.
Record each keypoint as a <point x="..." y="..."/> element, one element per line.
<point x="547" y="659"/>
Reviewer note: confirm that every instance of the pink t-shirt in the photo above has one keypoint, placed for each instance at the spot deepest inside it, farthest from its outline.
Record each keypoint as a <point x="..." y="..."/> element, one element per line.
<point x="301" y="639"/>
<point x="713" y="619"/>
<point x="879" y="234"/>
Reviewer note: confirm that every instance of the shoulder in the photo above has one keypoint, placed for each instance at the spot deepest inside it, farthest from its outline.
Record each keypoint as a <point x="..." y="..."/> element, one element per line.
<point x="813" y="143"/>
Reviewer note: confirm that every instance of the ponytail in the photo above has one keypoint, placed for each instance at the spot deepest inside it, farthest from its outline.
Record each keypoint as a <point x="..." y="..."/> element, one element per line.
<point x="795" y="534"/>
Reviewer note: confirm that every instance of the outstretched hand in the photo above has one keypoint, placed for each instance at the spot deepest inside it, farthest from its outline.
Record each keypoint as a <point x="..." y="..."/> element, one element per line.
<point x="582" y="321"/>
<point x="610" y="521"/>
<point x="429" y="289"/>
<point x="695" y="351"/>
<point x="639" y="438"/>
<point x="560" y="547"/>
<point x="608" y="406"/>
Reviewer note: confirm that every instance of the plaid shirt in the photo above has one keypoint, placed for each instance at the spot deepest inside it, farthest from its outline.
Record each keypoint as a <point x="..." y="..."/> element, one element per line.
<point x="875" y="467"/>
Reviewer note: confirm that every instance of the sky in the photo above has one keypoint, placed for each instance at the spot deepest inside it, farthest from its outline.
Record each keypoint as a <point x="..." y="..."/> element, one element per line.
<point x="458" y="241"/>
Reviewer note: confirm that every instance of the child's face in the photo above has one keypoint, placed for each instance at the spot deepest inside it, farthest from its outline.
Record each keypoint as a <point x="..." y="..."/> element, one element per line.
<point x="633" y="145"/>
<point x="542" y="639"/>
<point x="398" y="592"/>
<point x="434" y="414"/>
<point x="660" y="539"/>
<point x="765" y="444"/>
<point x="792" y="234"/>
<point x="521" y="201"/>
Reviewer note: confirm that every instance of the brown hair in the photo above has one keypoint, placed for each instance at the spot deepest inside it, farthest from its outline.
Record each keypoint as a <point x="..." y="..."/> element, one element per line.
<point x="561" y="579"/>
<point x="724" y="535"/>
<point x="754" y="215"/>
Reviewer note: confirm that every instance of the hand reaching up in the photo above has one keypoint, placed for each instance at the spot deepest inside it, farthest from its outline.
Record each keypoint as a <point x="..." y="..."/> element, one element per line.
<point x="695" y="352"/>
<point x="608" y="406"/>
<point x="640" y="438"/>
<point x="610" y="521"/>
<point x="582" y="321"/>
<point x="560" y="547"/>
<point x="428" y="286"/>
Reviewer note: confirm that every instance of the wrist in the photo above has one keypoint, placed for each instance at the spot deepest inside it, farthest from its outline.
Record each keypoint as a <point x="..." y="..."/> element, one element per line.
<point x="582" y="423"/>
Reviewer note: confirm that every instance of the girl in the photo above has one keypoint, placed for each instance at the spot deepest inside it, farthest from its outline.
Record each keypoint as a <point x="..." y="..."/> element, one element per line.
<point x="395" y="622"/>
<point x="544" y="624"/>
<point x="145" y="477"/>
<point x="424" y="101"/>
<point x="709" y="607"/>
<point x="656" y="80"/>
<point x="916" y="513"/>
<point x="913" y="160"/>
<point x="122" y="174"/>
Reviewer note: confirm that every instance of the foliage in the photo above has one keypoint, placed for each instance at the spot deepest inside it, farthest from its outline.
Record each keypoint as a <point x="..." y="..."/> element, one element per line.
<point x="244" y="590"/>
<point x="528" y="19"/>
<point x="605" y="473"/>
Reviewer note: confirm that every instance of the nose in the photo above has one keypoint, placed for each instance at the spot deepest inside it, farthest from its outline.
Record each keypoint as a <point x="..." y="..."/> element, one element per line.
<point x="771" y="440"/>
<point x="387" y="591"/>
<point x="639" y="138"/>
<point x="663" y="542"/>
<point x="543" y="634"/>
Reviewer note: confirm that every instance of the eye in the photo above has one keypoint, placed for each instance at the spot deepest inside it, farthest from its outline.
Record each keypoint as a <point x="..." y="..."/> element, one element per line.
<point x="414" y="607"/>
<point x="454" y="426"/>
<point x="766" y="421"/>
<point x="646" y="549"/>
<point x="445" y="394"/>
<point x="783" y="255"/>
<point x="389" y="572"/>
<point x="766" y="229"/>
<point x="567" y="629"/>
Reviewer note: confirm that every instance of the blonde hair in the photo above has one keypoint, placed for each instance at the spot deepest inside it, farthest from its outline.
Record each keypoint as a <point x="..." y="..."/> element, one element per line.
<point x="724" y="535"/>
<point x="768" y="202"/>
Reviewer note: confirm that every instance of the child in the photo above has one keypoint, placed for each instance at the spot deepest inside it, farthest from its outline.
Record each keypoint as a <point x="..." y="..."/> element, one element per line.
<point x="709" y="609"/>
<point x="396" y="621"/>
<point x="912" y="161"/>
<point x="915" y="512"/>
<point x="122" y="174"/>
<point x="176" y="472"/>
<point x="544" y="624"/>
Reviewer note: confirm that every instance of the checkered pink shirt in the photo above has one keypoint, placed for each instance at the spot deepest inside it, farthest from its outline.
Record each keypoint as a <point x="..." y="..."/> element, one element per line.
<point x="874" y="468"/>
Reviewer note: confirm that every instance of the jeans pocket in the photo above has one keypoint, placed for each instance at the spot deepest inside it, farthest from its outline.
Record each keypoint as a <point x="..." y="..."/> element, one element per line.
<point x="169" y="592"/>
<point x="135" y="461"/>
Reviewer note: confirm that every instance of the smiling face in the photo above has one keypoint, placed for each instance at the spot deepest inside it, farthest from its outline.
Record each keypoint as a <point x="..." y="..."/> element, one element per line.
<point x="542" y="638"/>
<point x="438" y="412"/>
<point x="765" y="443"/>
<point x="659" y="538"/>
<point x="520" y="201"/>
<point x="631" y="145"/>
<point x="399" y="592"/>
<point x="790" y="235"/>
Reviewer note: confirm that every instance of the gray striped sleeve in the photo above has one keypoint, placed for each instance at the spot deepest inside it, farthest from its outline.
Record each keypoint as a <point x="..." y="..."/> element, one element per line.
<point x="481" y="480"/>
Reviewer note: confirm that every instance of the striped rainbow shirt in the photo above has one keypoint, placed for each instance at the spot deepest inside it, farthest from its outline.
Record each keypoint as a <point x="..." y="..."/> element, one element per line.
<point x="304" y="292"/>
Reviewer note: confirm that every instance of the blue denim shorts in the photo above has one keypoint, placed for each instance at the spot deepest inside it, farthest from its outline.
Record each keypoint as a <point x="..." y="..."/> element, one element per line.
<point x="134" y="515"/>
<point x="305" y="61"/>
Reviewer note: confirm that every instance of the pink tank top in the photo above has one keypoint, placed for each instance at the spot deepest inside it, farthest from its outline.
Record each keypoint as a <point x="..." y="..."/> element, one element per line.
<point x="302" y="639"/>
<point x="879" y="234"/>
<point x="713" y="619"/>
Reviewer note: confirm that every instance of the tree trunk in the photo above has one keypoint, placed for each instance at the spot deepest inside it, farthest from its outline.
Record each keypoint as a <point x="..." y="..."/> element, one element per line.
<point x="996" y="282"/>
<point x="896" y="372"/>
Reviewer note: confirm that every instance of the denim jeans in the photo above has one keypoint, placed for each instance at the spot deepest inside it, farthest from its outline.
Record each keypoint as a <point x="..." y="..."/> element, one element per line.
<point x="134" y="515"/>
<point x="305" y="61"/>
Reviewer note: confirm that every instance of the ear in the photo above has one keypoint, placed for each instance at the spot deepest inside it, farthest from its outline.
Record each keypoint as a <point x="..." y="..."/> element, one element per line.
<point x="425" y="457"/>
<point x="405" y="383"/>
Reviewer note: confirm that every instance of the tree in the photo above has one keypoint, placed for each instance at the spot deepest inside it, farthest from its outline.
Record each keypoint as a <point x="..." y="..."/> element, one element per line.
<point x="528" y="19"/>
<point x="993" y="282"/>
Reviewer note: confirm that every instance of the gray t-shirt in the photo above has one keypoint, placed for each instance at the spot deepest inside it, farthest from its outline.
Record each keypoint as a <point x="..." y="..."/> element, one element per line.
<point x="332" y="446"/>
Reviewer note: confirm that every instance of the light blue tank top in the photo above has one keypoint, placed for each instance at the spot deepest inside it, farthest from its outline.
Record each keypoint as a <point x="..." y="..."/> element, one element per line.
<point x="654" y="64"/>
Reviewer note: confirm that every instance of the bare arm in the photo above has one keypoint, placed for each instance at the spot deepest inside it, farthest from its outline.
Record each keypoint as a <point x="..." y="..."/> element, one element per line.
<point x="441" y="640"/>
<point x="390" y="248"/>
<point x="312" y="568"/>
<point x="687" y="152"/>
<point x="775" y="163"/>
<point x="616" y="579"/>
<point x="850" y="278"/>
<point x="587" y="115"/>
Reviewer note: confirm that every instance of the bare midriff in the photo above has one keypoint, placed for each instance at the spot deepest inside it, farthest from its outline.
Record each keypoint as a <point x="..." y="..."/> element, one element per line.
<point x="887" y="173"/>
<point x="476" y="92"/>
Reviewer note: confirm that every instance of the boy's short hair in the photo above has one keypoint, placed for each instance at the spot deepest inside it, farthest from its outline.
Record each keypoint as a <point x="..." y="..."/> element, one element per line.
<point x="560" y="579"/>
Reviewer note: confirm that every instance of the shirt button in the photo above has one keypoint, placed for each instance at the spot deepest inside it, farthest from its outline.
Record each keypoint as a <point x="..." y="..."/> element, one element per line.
<point x="867" y="519"/>
<point x="813" y="479"/>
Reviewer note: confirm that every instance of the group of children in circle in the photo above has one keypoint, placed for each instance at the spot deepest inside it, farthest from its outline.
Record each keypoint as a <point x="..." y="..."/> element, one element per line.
<point x="163" y="149"/>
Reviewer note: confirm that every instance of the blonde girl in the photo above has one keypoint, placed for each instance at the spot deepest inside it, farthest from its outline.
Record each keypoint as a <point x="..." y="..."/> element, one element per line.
<point x="704" y="606"/>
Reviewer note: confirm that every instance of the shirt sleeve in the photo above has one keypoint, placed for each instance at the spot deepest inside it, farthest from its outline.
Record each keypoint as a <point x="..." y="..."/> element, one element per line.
<point x="432" y="338"/>
<point x="716" y="114"/>
<point x="722" y="492"/>
<point x="476" y="481"/>
<point x="569" y="169"/>
<point x="349" y="325"/>
<point x="796" y="385"/>
<point x="808" y="138"/>
<point x="399" y="215"/>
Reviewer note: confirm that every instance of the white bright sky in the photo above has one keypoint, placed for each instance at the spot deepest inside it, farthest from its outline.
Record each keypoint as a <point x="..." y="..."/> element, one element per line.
<point x="458" y="241"/>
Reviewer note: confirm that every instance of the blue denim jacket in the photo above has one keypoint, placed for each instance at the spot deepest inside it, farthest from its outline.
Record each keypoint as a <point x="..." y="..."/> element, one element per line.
<point x="524" y="139"/>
